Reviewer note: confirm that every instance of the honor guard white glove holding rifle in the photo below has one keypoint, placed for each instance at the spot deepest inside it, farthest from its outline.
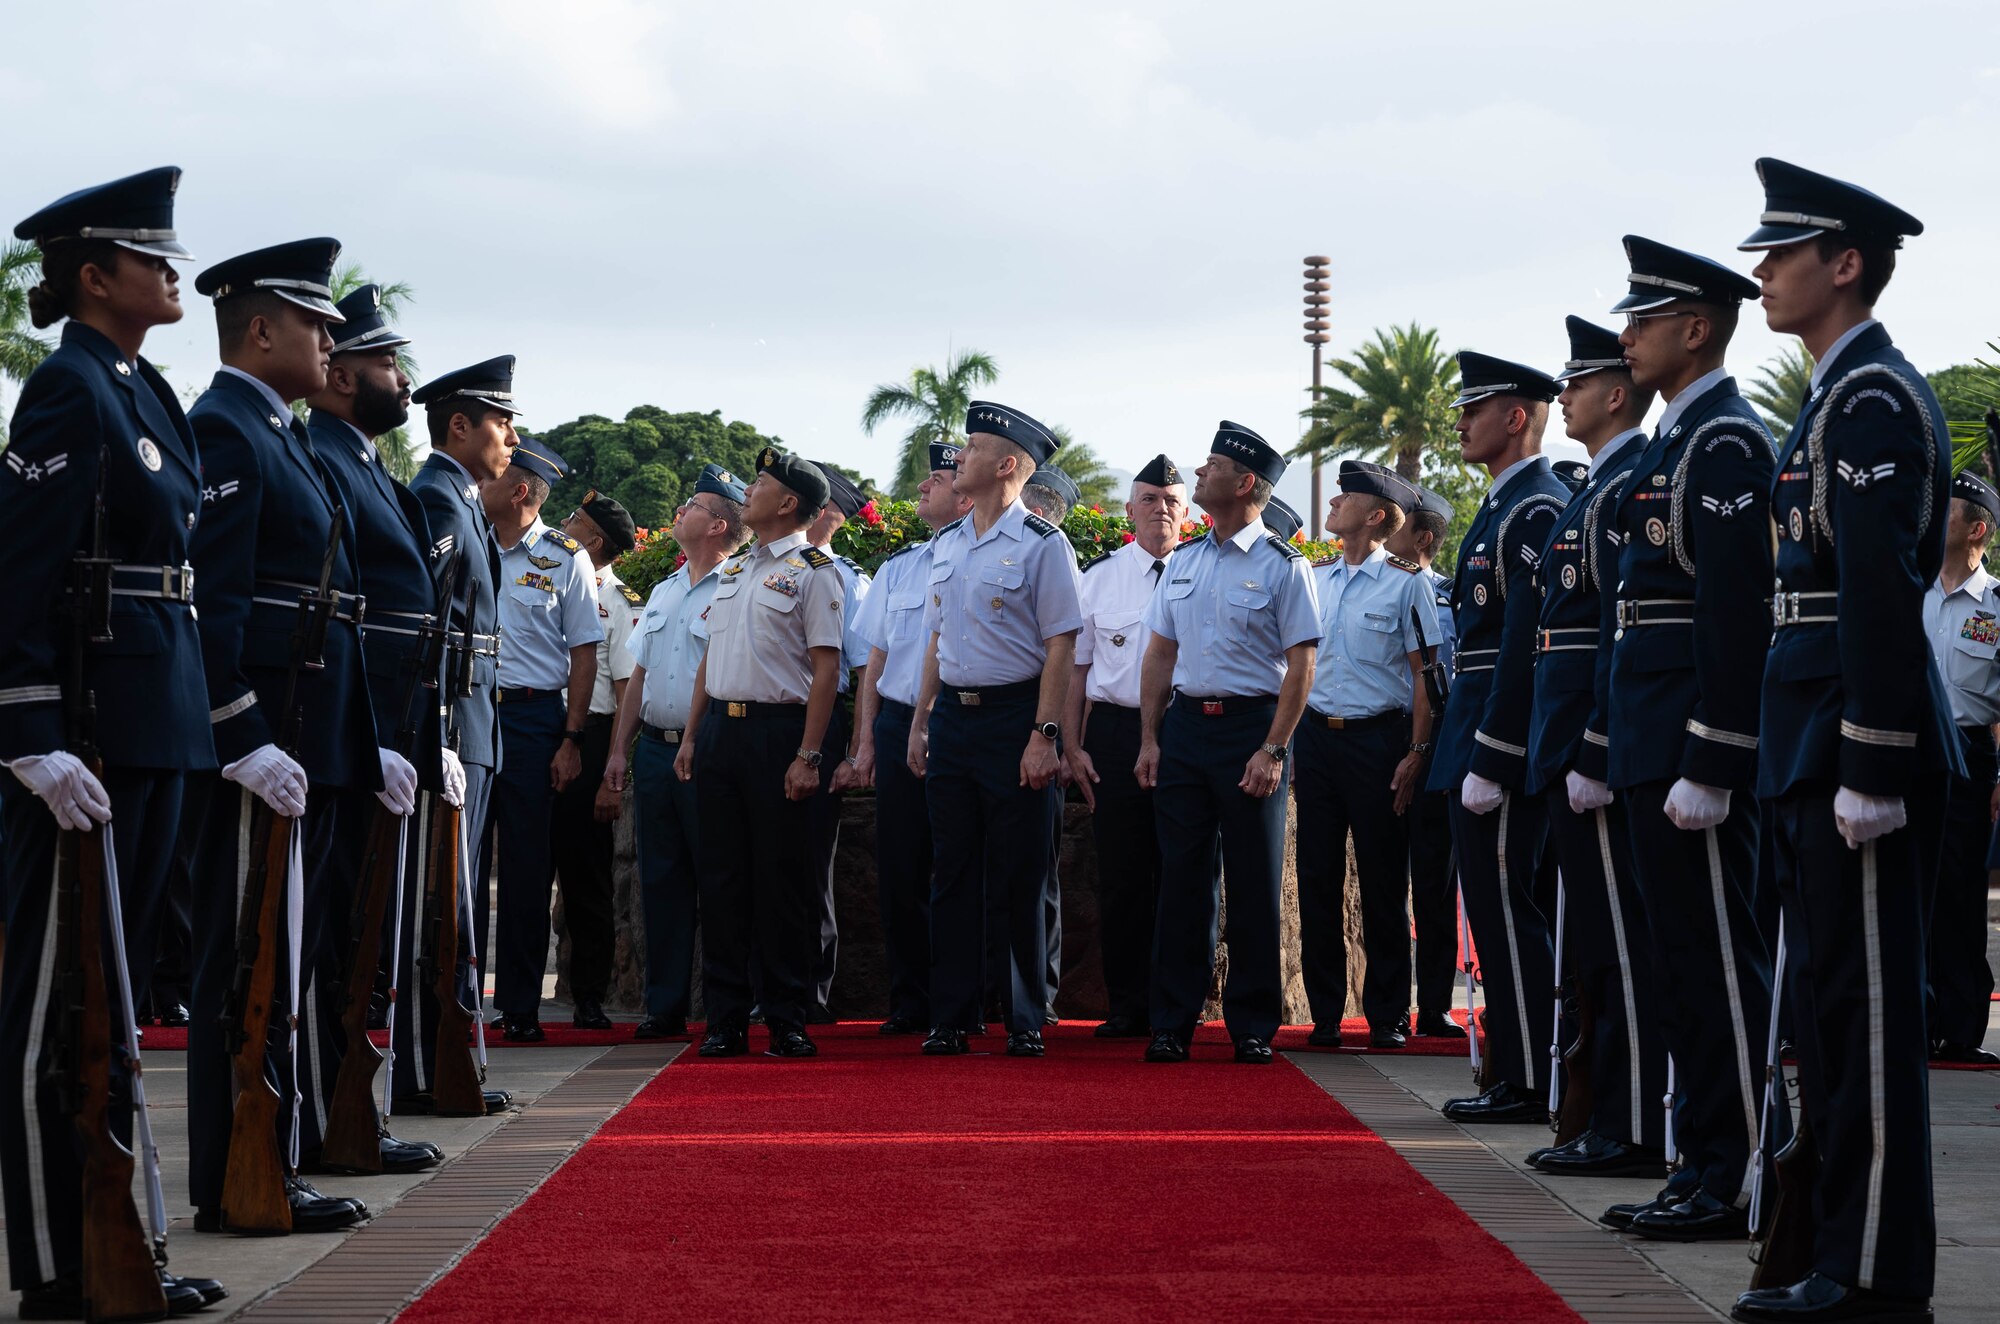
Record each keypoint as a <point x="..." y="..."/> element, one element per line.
<point x="72" y="794"/>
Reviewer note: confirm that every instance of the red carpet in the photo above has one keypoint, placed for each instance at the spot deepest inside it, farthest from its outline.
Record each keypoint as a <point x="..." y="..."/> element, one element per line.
<point x="880" y="1185"/>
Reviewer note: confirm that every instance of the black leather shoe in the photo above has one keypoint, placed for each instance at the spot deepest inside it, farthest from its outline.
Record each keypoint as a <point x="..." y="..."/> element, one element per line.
<point x="1591" y="1155"/>
<point x="1324" y="1036"/>
<point x="817" y="1014"/>
<point x="1028" y="1043"/>
<point x="661" y="1027"/>
<point x="526" y="1030"/>
<point x="1818" y="1297"/>
<point x="1166" y="1047"/>
<point x="496" y="1101"/>
<point x="1698" y="1217"/>
<point x="791" y="1041"/>
<point x="182" y="1299"/>
<point x="174" y="1015"/>
<point x="409" y="1155"/>
<point x="1620" y="1216"/>
<point x="207" y="1220"/>
<point x="1502" y="1103"/>
<point x="1050" y="1018"/>
<point x="1253" y="1051"/>
<point x="1389" y="1036"/>
<point x="899" y="1025"/>
<point x="1121" y="1027"/>
<point x="208" y="1289"/>
<point x="314" y="1211"/>
<point x="1942" y="1051"/>
<point x="944" y="1041"/>
<point x="589" y="1015"/>
<point x="724" y="1043"/>
<point x="1535" y="1156"/>
<point x="423" y="1105"/>
<point x="1437" y="1025"/>
<point x="59" y="1298"/>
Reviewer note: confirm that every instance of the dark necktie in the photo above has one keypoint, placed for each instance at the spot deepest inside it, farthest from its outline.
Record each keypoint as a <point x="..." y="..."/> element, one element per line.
<point x="1158" y="566"/>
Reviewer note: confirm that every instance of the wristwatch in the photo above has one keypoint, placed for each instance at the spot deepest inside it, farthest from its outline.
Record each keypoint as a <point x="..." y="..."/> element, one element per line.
<point x="1050" y="729"/>
<point x="1424" y="748"/>
<point x="1277" y="752"/>
<point x="810" y="757"/>
<point x="573" y="736"/>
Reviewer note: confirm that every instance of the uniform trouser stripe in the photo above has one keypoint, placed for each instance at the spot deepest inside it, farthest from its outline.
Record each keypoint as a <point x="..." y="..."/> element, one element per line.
<point x="1513" y="942"/>
<point x="1745" y="1085"/>
<point x="1871" y="931"/>
<point x="45" y="1254"/>
<point x="1632" y="1046"/>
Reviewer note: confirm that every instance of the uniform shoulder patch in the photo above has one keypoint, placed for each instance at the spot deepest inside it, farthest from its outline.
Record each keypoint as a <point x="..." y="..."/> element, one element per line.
<point x="1407" y="567"/>
<point x="631" y="594"/>
<point x="1095" y="561"/>
<point x="1189" y="542"/>
<point x="1291" y="553"/>
<point x="1041" y="527"/>
<point x="815" y="558"/>
<point x="906" y="547"/>
<point x="562" y="540"/>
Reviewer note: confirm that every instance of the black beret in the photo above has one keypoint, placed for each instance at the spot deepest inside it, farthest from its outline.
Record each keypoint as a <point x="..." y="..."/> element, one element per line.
<point x="1248" y="449"/>
<point x="300" y="272"/>
<point x="1481" y="375"/>
<point x="1281" y="519"/>
<point x="365" y="330"/>
<point x="841" y="492"/>
<point x="1058" y="482"/>
<point x="1662" y="275"/>
<point x="534" y="455"/>
<point x="718" y="481"/>
<point x="1591" y="349"/>
<point x="136" y="212"/>
<point x="944" y="455"/>
<point x="1969" y="487"/>
<point x="1800" y="203"/>
<point x="489" y="383"/>
<point x="1159" y="471"/>
<point x="621" y="533"/>
<point x="801" y="476"/>
<point x="1379" y="480"/>
<point x="1015" y="426"/>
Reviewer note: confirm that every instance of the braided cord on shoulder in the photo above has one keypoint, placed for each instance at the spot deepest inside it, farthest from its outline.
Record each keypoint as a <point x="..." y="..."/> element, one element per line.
<point x="1593" y="514"/>
<point x="1822" y="517"/>
<point x="1735" y="424"/>
<point x="1500" y="539"/>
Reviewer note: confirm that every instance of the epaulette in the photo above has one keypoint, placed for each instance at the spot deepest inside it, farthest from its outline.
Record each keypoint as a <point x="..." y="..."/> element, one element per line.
<point x="906" y="547"/>
<point x="949" y="527"/>
<point x="1407" y="567"/>
<point x="562" y="540"/>
<point x="1287" y="548"/>
<point x="1041" y="527"/>
<point x="1324" y="561"/>
<point x="1190" y="541"/>
<point x="631" y="594"/>
<point x="852" y="564"/>
<point x="815" y="558"/>
<point x="1095" y="560"/>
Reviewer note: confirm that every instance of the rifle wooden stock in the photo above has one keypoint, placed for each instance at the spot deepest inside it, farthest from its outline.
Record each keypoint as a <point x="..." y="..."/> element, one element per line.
<point x="1786" y="1256"/>
<point x="456" y="1089"/>
<point x="120" y="1278"/>
<point x="253" y="1183"/>
<point x="353" y="1126"/>
<point x="1578" y="1097"/>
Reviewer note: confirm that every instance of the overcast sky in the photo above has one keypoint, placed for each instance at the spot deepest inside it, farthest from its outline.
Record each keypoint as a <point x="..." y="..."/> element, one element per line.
<point x="767" y="209"/>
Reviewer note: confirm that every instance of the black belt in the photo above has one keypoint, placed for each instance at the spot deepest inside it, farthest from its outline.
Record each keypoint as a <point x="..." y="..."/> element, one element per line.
<point x="598" y="719"/>
<point x="169" y="583"/>
<point x="746" y="708"/>
<point x="976" y="695"/>
<point x="664" y="735"/>
<point x="1224" y="705"/>
<point x="1654" y="611"/>
<point x="1798" y="609"/>
<point x="1575" y="639"/>
<point x="1462" y="665"/>
<point x="1117" y="710"/>
<point x="522" y="693"/>
<point x="349" y="607"/>
<point x="1356" y="723"/>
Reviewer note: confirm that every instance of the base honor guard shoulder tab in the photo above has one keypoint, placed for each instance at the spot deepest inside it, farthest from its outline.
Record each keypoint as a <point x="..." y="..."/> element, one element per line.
<point x="631" y="594"/>
<point x="1291" y="552"/>
<point x="1097" y="560"/>
<point x="1407" y="567"/>
<point x="815" y="558"/>
<point x="562" y="540"/>
<point x="1041" y="527"/>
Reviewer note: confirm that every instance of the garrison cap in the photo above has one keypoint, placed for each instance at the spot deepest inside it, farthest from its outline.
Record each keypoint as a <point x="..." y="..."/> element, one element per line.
<point x="365" y="331"/>
<point x="136" y="212"/>
<point x="490" y="383"/>
<point x="802" y="477"/>
<point x="1015" y="426"/>
<point x="1482" y="375"/>
<point x="1281" y="519"/>
<point x="1378" y="480"/>
<point x="1240" y="444"/>
<point x="1969" y="487"/>
<point x="1160" y="472"/>
<point x="718" y="481"/>
<point x="1058" y="482"/>
<point x="300" y="272"/>
<point x="1800" y="203"/>
<point x="1662" y="275"/>
<point x="1591" y="349"/>
<point x="841" y="492"/>
<point x="621" y="532"/>
<point x="944" y="455"/>
<point x="1435" y="504"/>
<point x="534" y="455"/>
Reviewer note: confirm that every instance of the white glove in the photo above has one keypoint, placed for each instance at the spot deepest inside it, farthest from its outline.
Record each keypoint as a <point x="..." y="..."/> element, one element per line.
<point x="273" y="776"/>
<point x="399" y="783"/>
<point x="1865" y="817"/>
<point x="454" y="779"/>
<point x="1693" y="807"/>
<point x="73" y="793"/>
<point x="1479" y="795"/>
<point x="1587" y="793"/>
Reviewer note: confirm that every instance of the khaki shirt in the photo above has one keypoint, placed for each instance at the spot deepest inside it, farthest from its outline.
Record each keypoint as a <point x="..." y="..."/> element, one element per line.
<point x="772" y="603"/>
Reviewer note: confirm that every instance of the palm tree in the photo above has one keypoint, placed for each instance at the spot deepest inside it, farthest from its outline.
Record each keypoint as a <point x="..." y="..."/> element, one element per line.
<point x="1094" y="481"/>
<point x="1400" y="410"/>
<point x="21" y="350"/>
<point x="937" y="403"/>
<point x="398" y="451"/>
<point x="1781" y="387"/>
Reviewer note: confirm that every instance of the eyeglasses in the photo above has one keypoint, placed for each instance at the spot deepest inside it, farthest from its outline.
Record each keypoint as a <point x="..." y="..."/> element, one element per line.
<point x="710" y="511"/>
<point x="1632" y="320"/>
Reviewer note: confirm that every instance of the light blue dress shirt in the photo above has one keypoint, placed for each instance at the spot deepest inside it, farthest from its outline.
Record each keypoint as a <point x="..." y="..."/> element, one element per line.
<point x="548" y="605"/>
<point x="669" y="646"/>
<point x="1964" y="629"/>
<point x="997" y="599"/>
<point x="853" y="648"/>
<point x="1446" y="638"/>
<point x="1366" y="636"/>
<point x="1233" y="607"/>
<point x="892" y="619"/>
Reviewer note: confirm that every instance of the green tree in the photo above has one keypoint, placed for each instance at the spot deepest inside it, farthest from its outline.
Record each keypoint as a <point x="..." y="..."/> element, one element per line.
<point x="1967" y="391"/>
<point x="21" y="350"/>
<point x="1094" y="481"/>
<point x="936" y="404"/>
<point x="648" y="460"/>
<point x="1781" y="387"/>
<point x="1400" y="410"/>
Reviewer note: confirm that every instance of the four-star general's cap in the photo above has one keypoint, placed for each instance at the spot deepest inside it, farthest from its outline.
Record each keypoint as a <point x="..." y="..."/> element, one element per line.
<point x="803" y="477"/>
<point x="1591" y="349"/>
<point x="1058" y="482"/>
<point x="621" y="531"/>
<point x="1002" y="421"/>
<point x="1800" y="203"/>
<point x="1968" y="487"/>
<point x="1281" y="519"/>
<point x="1248" y="449"/>
<point x="1378" y="480"/>
<point x="534" y="455"/>
<point x="944" y="455"/>
<point x="490" y="383"/>
<point x="1159" y="472"/>
<point x="300" y="272"/>
<point x="841" y="492"/>
<point x="136" y="212"/>
<point x="718" y="481"/>
<point x="1482" y="375"/>
<point x="365" y="331"/>
<point x="1661" y="275"/>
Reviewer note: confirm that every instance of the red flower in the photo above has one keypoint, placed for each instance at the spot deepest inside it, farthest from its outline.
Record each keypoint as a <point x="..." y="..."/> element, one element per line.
<point x="680" y="559"/>
<point x="644" y="535"/>
<point x="1300" y="537"/>
<point x="869" y="515"/>
<point x="1207" y="522"/>
<point x="1126" y="536"/>
<point x="1097" y="510"/>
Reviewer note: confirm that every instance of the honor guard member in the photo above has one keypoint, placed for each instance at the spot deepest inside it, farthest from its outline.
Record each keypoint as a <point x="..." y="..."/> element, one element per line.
<point x="1433" y="881"/>
<point x="98" y="442"/>
<point x="268" y="507"/>
<point x="667" y="649"/>
<point x="469" y="417"/>
<point x="366" y="395"/>
<point x="1607" y="956"/>
<point x="1482" y="746"/>
<point x="762" y="700"/>
<point x="582" y="845"/>
<point x="1104" y="707"/>
<point x="892" y="621"/>
<point x="1002" y="618"/>
<point x="1051" y="494"/>
<point x="1675" y="727"/>
<point x="1856" y="755"/>
<point x="548" y="615"/>
<point x="844" y="502"/>
<point x="1227" y="668"/>
<point x="1962" y="616"/>
<point x="1360" y="754"/>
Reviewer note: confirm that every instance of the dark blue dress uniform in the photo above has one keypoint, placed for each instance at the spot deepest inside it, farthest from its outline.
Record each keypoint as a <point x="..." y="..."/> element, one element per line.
<point x="1674" y="703"/>
<point x="1606" y="943"/>
<point x="89" y="420"/>
<point x="268" y="507"/>
<point x="1862" y="491"/>
<point x="1486" y="731"/>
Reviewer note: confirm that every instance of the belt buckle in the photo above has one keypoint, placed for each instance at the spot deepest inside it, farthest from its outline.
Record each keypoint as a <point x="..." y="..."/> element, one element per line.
<point x="968" y="698"/>
<point x="1336" y="723"/>
<point x="1624" y="618"/>
<point x="1544" y="640"/>
<point x="168" y="589"/>
<point x="1211" y="707"/>
<point x="360" y="602"/>
<point x="738" y="709"/>
<point x="669" y="736"/>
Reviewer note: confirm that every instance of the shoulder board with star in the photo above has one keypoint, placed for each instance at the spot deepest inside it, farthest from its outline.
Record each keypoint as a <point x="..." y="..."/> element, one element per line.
<point x="1407" y="567"/>
<point x="1291" y="552"/>
<point x="906" y="547"/>
<point x="1322" y="562"/>
<point x="1189" y="542"/>
<point x="1095" y="561"/>
<point x="1039" y="526"/>
<point x="815" y="558"/>
<point x="562" y="540"/>
<point x="949" y="527"/>
<point x="631" y="594"/>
